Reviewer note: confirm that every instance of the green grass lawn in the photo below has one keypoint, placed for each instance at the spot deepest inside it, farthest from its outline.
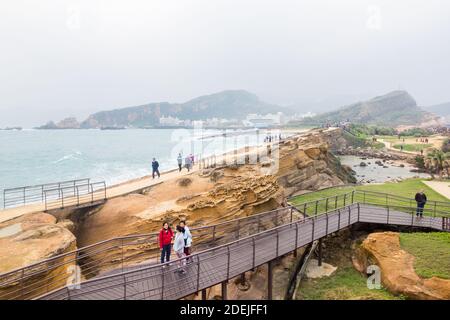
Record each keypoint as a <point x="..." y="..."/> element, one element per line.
<point x="345" y="284"/>
<point x="413" y="147"/>
<point x="407" y="188"/>
<point x="431" y="252"/>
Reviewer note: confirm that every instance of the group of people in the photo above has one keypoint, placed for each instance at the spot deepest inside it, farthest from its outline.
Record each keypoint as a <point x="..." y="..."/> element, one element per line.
<point x="271" y="138"/>
<point x="422" y="140"/>
<point x="182" y="242"/>
<point x="188" y="162"/>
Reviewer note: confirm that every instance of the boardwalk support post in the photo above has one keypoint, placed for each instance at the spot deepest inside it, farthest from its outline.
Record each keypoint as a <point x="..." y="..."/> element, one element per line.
<point x="270" y="279"/>
<point x="224" y="290"/>
<point x="203" y="294"/>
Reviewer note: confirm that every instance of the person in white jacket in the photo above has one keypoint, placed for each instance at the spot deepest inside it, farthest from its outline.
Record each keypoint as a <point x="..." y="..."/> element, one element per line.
<point x="178" y="247"/>
<point x="187" y="239"/>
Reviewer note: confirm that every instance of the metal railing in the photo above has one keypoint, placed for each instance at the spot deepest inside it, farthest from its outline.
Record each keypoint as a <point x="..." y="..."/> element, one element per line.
<point x="434" y="208"/>
<point x="139" y="251"/>
<point x="76" y="195"/>
<point x="222" y="263"/>
<point x="21" y="196"/>
<point x="128" y="252"/>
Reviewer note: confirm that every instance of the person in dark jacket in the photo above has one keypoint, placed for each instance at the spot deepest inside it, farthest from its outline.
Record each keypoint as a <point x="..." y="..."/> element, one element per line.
<point x="421" y="200"/>
<point x="165" y="242"/>
<point x="155" y="168"/>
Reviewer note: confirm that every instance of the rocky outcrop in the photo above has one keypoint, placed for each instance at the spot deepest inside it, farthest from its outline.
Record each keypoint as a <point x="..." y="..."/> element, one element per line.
<point x="397" y="268"/>
<point x="306" y="163"/>
<point x="30" y="239"/>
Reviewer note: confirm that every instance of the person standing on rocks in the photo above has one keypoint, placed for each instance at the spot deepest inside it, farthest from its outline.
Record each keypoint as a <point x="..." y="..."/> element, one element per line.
<point x="421" y="200"/>
<point x="165" y="242"/>
<point x="178" y="247"/>
<point x="180" y="162"/>
<point x="187" y="239"/>
<point x="155" y="168"/>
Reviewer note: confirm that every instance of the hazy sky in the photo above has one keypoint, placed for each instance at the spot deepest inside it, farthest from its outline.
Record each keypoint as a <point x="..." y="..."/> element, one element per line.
<point x="72" y="58"/>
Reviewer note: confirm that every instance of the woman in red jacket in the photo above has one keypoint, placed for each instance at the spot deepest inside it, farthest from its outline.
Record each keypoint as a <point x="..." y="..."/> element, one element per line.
<point x="165" y="242"/>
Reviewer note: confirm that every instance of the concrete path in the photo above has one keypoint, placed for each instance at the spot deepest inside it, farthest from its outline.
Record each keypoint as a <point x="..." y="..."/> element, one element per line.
<point x="441" y="187"/>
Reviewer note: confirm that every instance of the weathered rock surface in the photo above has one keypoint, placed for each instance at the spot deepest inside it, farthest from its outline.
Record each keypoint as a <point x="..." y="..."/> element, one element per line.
<point x="30" y="239"/>
<point x="397" y="268"/>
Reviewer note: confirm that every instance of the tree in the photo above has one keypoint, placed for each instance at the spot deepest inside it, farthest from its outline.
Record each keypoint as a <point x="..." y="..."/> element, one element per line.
<point x="436" y="162"/>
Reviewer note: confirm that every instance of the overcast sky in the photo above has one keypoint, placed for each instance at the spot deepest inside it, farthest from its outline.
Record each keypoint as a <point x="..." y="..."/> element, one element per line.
<point x="72" y="58"/>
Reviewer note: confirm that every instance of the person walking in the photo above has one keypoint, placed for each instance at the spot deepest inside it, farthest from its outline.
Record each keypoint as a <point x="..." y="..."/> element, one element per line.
<point x="188" y="163"/>
<point x="180" y="162"/>
<point x="187" y="239"/>
<point x="165" y="242"/>
<point x="421" y="200"/>
<point x="178" y="247"/>
<point x="155" y="168"/>
<point x="192" y="159"/>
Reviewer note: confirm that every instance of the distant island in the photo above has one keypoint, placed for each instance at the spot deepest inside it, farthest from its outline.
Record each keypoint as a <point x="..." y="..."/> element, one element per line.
<point x="231" y="106"/>
<point x="240" y="108"/>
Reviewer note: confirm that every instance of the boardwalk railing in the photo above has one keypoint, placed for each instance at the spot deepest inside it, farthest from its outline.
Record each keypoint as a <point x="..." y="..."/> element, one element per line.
<point x="138" y="251"/>
<point x="127" y="252"/>
<point x="222" y="263"/>
<point x="76" y="195"/>
<point x="434" y="208"/>
<point x="21" y="196"/>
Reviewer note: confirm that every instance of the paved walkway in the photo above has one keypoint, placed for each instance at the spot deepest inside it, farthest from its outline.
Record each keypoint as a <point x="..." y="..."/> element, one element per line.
<point x="441" y="187"/>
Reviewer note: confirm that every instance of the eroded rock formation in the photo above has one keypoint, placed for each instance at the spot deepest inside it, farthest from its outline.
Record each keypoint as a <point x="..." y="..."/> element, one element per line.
<point x="30" y="239"/>
<point x="397" y="268"/>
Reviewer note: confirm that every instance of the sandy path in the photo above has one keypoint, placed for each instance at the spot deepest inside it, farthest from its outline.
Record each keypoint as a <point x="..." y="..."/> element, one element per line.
<point x="439" y="186"/>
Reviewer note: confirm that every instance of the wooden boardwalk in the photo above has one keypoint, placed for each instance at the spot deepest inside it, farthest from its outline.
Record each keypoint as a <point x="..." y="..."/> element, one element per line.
<point x="222" y="263"/>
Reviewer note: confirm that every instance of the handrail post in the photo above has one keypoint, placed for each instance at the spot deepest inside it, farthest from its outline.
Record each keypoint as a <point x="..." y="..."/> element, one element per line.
<point x="387" y="222"/>
<point x="336" y="202"/>
<point x="345" y="199"/>
<point x="326" y="205"/>
<point x="162" y="282"/>
<point x="290" y="219"/>
<point x="254" y="252"/>
<point x="312" y="238"/>
<point x="326" y="229"/>
<point x="353" y="196"/>
<point x="304" y="211"/>
<point x="349" y="215"/>
<point x="296" y="236"/>
<point x="317" y="205"/>
<point x="78" y="195"/>
<point x="359" y="210"/>
<point x="278" y="242"/>
<point x="198" y="273"/>
<point x="62" y="198"/>
<point x="228" y="263"/>
<point x="92" y="193"/>
<point x="124" y="287"/>
<point x="339" y="219"/>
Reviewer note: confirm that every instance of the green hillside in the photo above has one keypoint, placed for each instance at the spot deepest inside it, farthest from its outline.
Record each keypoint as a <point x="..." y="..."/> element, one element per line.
<point x="393" y="109"/>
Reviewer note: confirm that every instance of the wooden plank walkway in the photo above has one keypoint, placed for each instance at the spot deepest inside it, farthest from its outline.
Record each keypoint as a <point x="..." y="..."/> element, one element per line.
<point x="211" y="267"/>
